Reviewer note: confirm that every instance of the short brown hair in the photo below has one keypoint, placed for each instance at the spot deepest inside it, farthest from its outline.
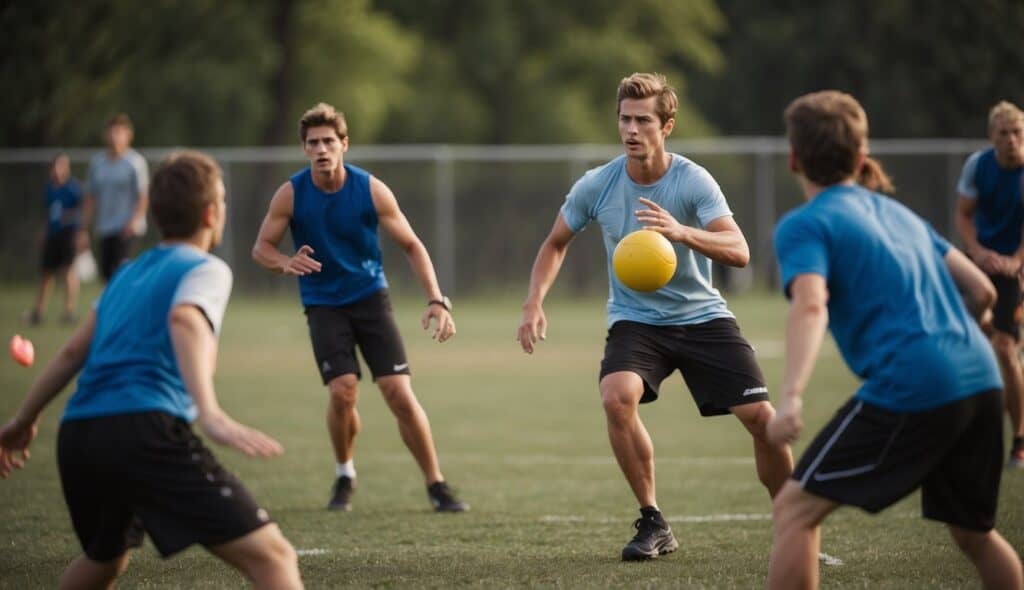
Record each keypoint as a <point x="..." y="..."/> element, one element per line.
<point x="185" y="183"/>
<point x="827" y="131"/>
<point x="323" y="115"/>
<point x="642" y="85"/>
<point x="120" y="120"/>
<point x="1004" y="109"/>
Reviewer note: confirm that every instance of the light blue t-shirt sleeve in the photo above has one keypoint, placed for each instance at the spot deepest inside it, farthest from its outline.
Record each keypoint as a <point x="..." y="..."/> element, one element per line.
<point x="208" y="287"/>
<point x="801" y="248"/>
<point x="141" y="172"/>
<point x="578" y="208"/>
<point x="965" y="186"/>
<point x="708" y="200"/>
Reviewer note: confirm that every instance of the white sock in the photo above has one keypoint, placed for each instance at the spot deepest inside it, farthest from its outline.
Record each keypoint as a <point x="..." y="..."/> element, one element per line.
<point x="347" y="469"/>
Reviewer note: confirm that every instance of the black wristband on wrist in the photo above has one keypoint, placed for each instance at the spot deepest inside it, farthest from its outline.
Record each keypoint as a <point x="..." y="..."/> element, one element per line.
<point x="443" y="302"/>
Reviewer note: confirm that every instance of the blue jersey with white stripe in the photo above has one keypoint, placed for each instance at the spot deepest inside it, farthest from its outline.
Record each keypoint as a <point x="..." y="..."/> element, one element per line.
<point x="997" y="191"/>
<point x="341" y="227"/>
<point x="894" y="310"/>
<point x="131" y="366"/>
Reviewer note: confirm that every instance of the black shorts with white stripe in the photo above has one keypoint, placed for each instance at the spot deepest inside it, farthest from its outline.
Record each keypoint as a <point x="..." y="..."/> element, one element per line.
<point x="716" y="361"/>
<point x="871" y="458"/>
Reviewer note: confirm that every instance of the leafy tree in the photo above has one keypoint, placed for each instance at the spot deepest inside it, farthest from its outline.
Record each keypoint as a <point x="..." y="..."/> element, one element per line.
<point x="195" y="72"/>
<point x="519" y="71"/>
<point x="921" y="69"/>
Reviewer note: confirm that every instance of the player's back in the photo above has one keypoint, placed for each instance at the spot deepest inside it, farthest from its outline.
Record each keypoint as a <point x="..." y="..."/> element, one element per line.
<point x="894" y="310"/>
<point x="131" y="365"/>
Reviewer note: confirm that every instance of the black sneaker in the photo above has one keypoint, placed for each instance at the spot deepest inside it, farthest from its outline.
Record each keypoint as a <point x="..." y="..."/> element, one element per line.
<point x="342" y="494"/>
<point x="443" y="498"/>
<point x="652" y="539"/>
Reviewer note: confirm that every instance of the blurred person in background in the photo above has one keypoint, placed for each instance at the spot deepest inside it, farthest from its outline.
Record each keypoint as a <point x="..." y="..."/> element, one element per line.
<point x="116" y="195"/>
<point x="990" y="219"/>
<point x="59" y="240"/>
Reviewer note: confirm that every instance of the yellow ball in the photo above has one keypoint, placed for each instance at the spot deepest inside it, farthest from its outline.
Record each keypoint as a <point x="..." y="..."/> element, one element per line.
<point x="644" y="260"/>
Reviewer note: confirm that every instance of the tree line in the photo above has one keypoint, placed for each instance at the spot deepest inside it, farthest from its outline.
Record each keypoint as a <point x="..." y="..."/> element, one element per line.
<point x="234" y="72"/>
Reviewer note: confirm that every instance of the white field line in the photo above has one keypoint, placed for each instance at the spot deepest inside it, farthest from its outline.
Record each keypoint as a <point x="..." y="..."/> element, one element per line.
<point x="555" y="518"/>
<point x="314" y="551"/>
<point x="546" y="459"/>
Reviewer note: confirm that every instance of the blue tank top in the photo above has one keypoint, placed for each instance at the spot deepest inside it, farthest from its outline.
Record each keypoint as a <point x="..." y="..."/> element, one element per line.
<point x="341" y="227"/>
<point x="999" y="192"/>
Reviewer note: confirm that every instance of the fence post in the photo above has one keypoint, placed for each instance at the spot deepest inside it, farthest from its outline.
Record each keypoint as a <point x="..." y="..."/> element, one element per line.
<point x="764" y="212"/>
<point x="444" y="219"/>
<point x="227" y="244"/>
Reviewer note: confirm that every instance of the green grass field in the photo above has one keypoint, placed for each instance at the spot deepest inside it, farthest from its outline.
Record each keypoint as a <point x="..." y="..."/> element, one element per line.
<point x="521" y="438"/>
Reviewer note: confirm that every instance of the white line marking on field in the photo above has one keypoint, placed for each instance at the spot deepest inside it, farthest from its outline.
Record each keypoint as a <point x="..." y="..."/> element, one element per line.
<point x="544" y="459"/>
<point x="315" y="551"/>
<point x="829" y="560"/>
<point x="558" y="518"/>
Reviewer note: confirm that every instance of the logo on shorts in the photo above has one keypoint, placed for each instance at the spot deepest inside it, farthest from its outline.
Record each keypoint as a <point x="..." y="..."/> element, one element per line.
<point x="326" y="366"/>
<point x="755" y="391"/>
<point x="402" y="367"/>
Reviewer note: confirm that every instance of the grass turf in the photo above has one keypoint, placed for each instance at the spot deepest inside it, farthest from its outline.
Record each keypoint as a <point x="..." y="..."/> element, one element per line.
<point x="522" y="438"/>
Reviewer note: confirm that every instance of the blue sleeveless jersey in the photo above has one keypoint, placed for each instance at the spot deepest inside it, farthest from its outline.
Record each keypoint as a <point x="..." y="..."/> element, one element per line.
<point x="131" y="365"/>
<point x="341" y="227"/>
<point x="998" y="193"/>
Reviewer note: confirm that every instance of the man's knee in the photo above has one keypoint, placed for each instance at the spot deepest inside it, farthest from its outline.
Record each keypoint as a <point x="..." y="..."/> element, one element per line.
<point x="344" y="391"/>
<point x="397" y="393"/>
<point x="620" y="395"/>
<point x="619" y="404"/>
<point x="263" y="555"/>
<point x="755" y="418"/>
<point x="793" y="508"/>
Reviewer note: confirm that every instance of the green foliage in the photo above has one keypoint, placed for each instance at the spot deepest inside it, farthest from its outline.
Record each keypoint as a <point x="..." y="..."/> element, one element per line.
<point x="178" y="67"/>
<point x="521" y="72"/>
<point x="920" y="69"/>
<point x="191" y="72"/>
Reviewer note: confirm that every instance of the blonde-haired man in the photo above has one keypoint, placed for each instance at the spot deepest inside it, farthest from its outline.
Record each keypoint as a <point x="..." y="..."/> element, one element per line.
<point x="990" y="217"/>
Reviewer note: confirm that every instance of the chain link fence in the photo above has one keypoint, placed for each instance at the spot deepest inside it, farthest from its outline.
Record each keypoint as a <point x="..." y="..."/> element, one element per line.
<point x="483" y="211"/>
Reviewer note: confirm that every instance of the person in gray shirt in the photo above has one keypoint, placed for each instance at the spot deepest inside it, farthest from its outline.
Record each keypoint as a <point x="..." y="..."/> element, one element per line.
<point x="116" y="192"/>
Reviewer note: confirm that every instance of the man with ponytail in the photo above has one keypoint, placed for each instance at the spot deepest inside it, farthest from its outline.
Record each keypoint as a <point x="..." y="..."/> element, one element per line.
<point x="990" y="215"/>
<point x="888" y="287"/>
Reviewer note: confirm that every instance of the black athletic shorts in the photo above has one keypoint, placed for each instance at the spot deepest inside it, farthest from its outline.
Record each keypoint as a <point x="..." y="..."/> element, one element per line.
<point x="130" y="474"/>
<point x="871" y="458"/>
<point x="715" y="360"/>
<point x="1007" y="311"/>
<point x="368" y="323"/>
<point x="58" y="250"/>
<point x="114" y="250"/>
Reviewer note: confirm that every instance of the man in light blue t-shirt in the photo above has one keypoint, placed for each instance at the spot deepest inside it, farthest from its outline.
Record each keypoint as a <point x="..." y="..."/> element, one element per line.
<point x="116" y="191"/>
<point x="685" y="325"/>
<point x="990" y="215"/>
